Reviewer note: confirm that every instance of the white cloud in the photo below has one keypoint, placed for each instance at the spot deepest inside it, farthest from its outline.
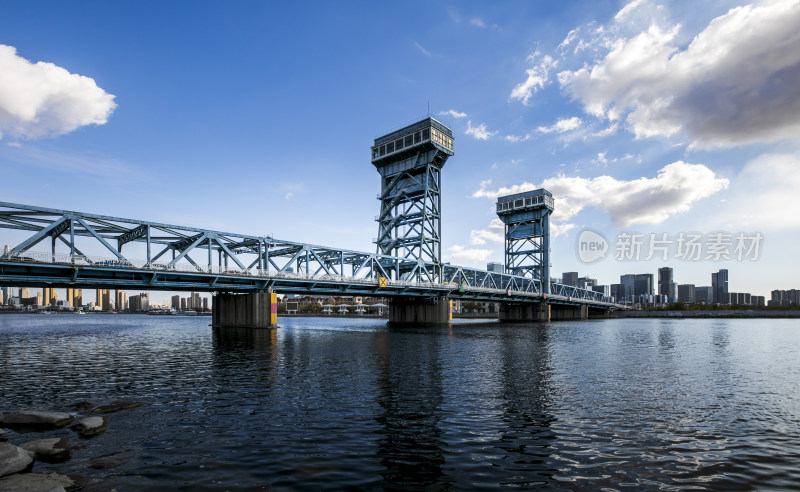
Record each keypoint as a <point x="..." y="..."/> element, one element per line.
<point x="478" y="22"/>
<point x="516" y="138"/>
<point x="762" y="194"/>
<point x="468" y="256"/>
<point x="495" y="232"/>
<point x="562" y="126"/>
<point x="735" y="83"/>
<point x="41" y="99"/>
<point x="288" y="196"/>
<point x="607" y="132"/>
<point x="423" y="50"/>
<point x="640" y="201"/>
<point x="480" y="132"/>
<point x="537" y="77"/>
<point x="558" y="229"/>
<point x="453" y="113"/>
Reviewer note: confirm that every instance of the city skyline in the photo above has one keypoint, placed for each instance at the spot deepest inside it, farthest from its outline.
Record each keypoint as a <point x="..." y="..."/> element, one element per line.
<point x="640" y="117"/>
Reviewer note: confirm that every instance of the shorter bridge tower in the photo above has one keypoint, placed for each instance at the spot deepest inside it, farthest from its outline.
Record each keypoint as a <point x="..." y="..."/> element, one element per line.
<point x="410" y="162"/>
<point x="527" y="240"/>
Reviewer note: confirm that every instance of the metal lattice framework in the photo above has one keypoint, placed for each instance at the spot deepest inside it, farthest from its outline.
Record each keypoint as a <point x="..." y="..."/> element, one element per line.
<point x="410" y="161"/>
<point x="98" y="251"/>
<point x="527" y="234"/>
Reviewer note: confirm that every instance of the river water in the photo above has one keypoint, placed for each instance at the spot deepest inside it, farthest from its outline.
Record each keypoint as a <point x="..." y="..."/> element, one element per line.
<point x="333" y="404"/>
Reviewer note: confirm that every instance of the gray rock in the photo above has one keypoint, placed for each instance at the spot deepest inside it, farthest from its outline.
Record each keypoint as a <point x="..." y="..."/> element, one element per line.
<point x="36" y="418"/>
<point x="52" y="450"/>
<point x="14" y="459"/>
<point x="39" y="482"/>
<point x="91" y="426"/>
<point x="117" y="406"/>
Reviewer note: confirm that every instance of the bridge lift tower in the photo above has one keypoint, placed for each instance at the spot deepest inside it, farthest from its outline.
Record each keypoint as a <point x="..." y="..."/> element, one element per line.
<point x="527" y="220"/>
<point x="410" y="162"/>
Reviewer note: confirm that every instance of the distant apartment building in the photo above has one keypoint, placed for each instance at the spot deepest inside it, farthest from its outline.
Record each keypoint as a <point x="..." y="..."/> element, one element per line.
<point x="686" y="293"/>
<point x="122" y="300"/>
<point x="570" y="278"/>
<point x="637" y="287"/>
<point x="785" y="297"/>
<point x="139" y="303"/>
<point x="758" y="301"/>
<point x="719" y="282"/>
<point x="495" y="267"/>
<point x="603" y="289"/>
<point x="176" y="302"/>
<point x="704" y="295"/>
<point x="666" y="284"/>
<point x="74" y="298"/>
<point x="617" y="292"/>
<point x="49" y="296"/>
<point x="103" y="302"/>
<point x="586" y="283"/>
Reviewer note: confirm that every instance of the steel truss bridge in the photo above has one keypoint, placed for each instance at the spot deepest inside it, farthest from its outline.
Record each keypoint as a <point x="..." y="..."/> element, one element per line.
<point x="141" y="255"/>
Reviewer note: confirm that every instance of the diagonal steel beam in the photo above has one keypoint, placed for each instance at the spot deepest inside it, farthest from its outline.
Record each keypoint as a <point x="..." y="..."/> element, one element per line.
<point x="36" y="238"/>
<point x="99" y="238"/>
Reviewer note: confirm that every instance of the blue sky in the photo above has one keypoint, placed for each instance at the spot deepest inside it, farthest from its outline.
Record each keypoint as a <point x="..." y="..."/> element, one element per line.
<point x="642" y="117"/>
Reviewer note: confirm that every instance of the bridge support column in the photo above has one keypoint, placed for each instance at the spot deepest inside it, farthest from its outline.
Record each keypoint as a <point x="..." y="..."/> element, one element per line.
<point x="252" y="310"/>
<point x="524" y="311"/>
<point x="570" y="312"/>
<point x="420" y="311"/>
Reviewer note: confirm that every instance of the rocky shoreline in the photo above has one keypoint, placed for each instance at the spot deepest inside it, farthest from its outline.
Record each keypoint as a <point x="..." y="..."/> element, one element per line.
<point x="18" y="461"/>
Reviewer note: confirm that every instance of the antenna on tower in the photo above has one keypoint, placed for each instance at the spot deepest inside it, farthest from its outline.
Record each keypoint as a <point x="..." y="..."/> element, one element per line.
<point x="429" y="108"/>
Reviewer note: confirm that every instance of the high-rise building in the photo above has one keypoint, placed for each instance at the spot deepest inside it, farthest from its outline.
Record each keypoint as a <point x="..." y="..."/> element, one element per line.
<point x="617" y="292"/>
<point x="495" y="267"/>
<point x="176" y="302"/>
<point x="74" y="298"/>
<point x="570" y="278"/>
<point x="49" y="296"/>
<point x="205" y="304"/>
<point x="103" y="300"/>
<point x="183" y="304"/>
<point x="666" y="285"/>
<point x="704" y="295"/>
<point x="719" y="282"/>
<point x="139" y="303"/>
<point x="686" y="293"/>
<point x="121" y="300"/>
<point x="2" y="297"/>
<point x="636" y="286"/>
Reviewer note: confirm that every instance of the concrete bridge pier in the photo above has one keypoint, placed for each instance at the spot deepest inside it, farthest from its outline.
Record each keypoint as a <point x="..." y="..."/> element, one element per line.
<point x="569" y="312"/>
<point x="524" y="311"/>
<point x="420" y="311"/>
<point x="251" y="310"/>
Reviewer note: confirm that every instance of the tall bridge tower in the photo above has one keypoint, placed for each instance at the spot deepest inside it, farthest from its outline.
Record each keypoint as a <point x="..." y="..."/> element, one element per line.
<point x="410" y="162"/>
<point x="527" y="219"/>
